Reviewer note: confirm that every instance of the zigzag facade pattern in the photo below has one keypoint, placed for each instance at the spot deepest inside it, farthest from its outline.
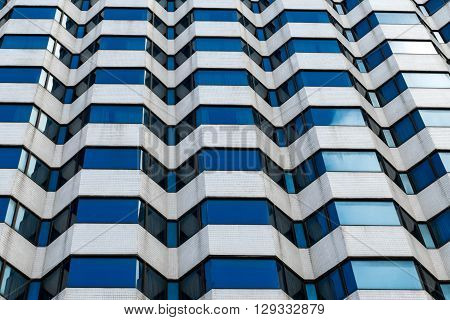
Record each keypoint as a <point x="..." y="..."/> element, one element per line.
<point x="386" y="110"/>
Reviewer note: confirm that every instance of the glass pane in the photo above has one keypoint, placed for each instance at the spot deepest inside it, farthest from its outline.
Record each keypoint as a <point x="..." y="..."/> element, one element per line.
<point x="235" y="212"/>
<point x="350" y="161"/>
<point x="92" y="210"/>
<point x="365" y="213"/>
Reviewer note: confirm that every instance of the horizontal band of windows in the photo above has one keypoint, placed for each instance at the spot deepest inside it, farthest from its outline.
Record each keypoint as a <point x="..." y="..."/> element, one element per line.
<point x="396" y="135"/>
<point x="231" y="15"/>
<point x="173" y="233"/>
<point x="417" y="178"/>
<point x="171" y="62"/>
<point x="216" y="272"/>
<point x="345" y="6"/>
<point x="226" y="77"/>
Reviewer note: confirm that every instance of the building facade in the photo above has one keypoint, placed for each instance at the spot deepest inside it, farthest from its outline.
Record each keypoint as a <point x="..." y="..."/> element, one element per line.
<point x="228" y="149"/>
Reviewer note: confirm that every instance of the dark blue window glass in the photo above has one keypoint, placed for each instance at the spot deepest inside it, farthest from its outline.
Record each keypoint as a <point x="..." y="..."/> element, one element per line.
<point x="331" y="287"/>
<point x="4" y="204"/>
<point x="221" y="77"/>
<point x="388" y="91"/>
<point x="313" y="45"/>
<point x="107" y="210"/>
<point x="102" y="273"/>
<point x="122" y="43"/>
<point x="433" y="6"/>
<point x="116" y="114"/>
<point x="317" y="227"/>
<point x="228" y="160"/>
<point x="24" y="42"/>
<point x="445" y="32"/>
<point x="33" y="13"/>
<point x="241" y="274"/>
<point x="403" y="130"/>
<point x="217" y="44"/>
<point x="224" y="115"/>
<point x="305" y="16"/>
<point x="422" y="176"/>
<point x="300" y="235"/>
<point x="337" y="117"/>
<point x="9" y="157"/>
<point x="377" y="56"/>
<point x="325" y="79"/>
<point x="105" y="158"/>
<point x="125" y="14"/>
<point x="215" y="15"/>
<point x="19" y="75"/>
<point x="120" y="76"/>
<point x="440" y="163"/>
<point x="235" y="212"/>
<point x="15" y="113"/>
<point x="440" y="227"/>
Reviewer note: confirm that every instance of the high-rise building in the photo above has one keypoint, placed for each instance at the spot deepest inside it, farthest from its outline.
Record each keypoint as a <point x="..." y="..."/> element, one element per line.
<point x="186" y="149"/>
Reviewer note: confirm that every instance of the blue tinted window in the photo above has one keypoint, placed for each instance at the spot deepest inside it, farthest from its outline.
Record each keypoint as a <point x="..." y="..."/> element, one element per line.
<point x="336" y="117"/>
<point x="107" y="210"/>
<point x="228" y="160"/>
<point x="120" y="76"/>
<point x="224" y="115"/>
<point x="325" y="79"/>
<point x="433" y="6"/>
<point x="19" y="75"/>
<point x="102" y="273"/>
<point x="445" y="32"/>
<point x="435" y="118"/>
<point x="215" y="15"/>
<point x="9" y="157"/>
<point x="221" y="77"/>
<point x="122" y="43"/>
<point x="241" y="274"/>
<point x="305" y="16"/>
<point x="397" y="18"/>
<point x="422" y="175"/>
<point x="33" y="13"/>
<point x="217" y="44"/>
<point x="313" y="45"/>
<point x="105" y="158"/>
<point x="115" y="114"/>
<point x="445" y="158"/>
<point x="440" y="227"/>
<point x="4" y="204"/>
<point x="446" y="290"/>
<point x="24" y="42"/>
<point x="330" y="287"/>
<point x="125" y="14"/>
<point x="235" y="212"/>
<point x="386" y="275"/>
<point x="365" y="213"/>
<point x="349" y="161"/>
<point x="15" y="113"/>
<point x="403" y="130"/>
<point x="317" y="227"/>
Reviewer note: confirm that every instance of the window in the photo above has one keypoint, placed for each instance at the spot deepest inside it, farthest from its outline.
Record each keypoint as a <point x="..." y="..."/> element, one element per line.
<point x="98" y="210"/>
<point x="422" y="175"/>
<point x="304" y="16"/>
<point x="229" y="160"/>
<point x="13" y="285"/>
<point x="331" y="287"/>
<point x="125" y="14"/>
<point x="427" y="80"/>
<point x="439" y="227"/>
<point x="108" y="158"/>
<point x="115" y="114"/>
<point x="9" y="157"/>
<point x="215" y="15"/>
<point x="33" y="13"/>
<point x="313" y="45"/>
<point x="122" y="43"/>
<point x="364" y="213"/>
<point x="348" y="161"/>
<point x="336" y="117"/>
<point x="24" y="42"/>
<point x="224" y="115"/>
<point x="235" y="212"/>
<point x="324" y="79"/>
<point x="412" y="47"/>
<point x="403" y="130"/>
<point x="221" y="78"/>
<point x="435" y="118"/>
<point x="241" y="274"/>
<point x="385" y="275"/>
<point x="20" y="75"/>
<point x="16" y="112"/>
<point x="102" y="272"/>
<point x="217" y="44"/>
<point x="397" y="18"/>
<point x="120" y="76"/>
